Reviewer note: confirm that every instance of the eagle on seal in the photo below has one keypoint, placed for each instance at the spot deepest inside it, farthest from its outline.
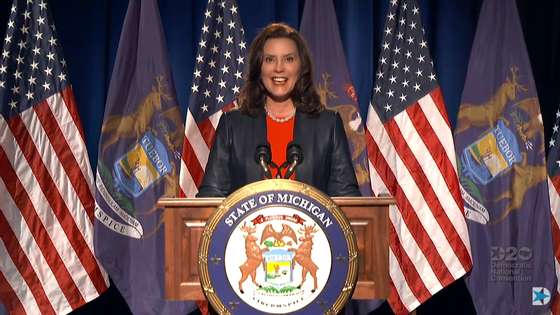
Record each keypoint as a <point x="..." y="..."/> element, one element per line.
<point x="287" y="231"/>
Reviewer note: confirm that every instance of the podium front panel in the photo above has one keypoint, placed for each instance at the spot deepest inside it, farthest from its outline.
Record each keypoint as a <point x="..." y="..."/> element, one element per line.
<point x="184" y="220"/>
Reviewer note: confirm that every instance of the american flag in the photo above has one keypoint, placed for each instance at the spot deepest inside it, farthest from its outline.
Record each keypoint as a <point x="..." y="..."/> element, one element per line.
<point x="217" y="80"/>
<point x="47" y="261"/>
<point x="412" y="157"/>
<point x="554" y="193"/>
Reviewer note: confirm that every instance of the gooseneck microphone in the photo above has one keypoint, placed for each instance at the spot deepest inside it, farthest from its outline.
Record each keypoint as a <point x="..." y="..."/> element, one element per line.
<point x="263" y="157"/>
<point x="294" y="157"/>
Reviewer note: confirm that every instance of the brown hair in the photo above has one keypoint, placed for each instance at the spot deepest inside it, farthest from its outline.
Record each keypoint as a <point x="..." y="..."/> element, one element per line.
<point x="252" y="97"/>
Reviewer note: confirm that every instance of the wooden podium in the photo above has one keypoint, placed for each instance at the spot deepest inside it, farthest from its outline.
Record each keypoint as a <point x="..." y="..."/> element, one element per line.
<point x="184" y="220"/>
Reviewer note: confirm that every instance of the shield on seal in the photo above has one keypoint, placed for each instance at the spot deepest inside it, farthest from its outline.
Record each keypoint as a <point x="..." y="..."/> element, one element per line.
<point x="278" y="264"/>
<point x="491" y="155"/>
<point x="142" y="165"/>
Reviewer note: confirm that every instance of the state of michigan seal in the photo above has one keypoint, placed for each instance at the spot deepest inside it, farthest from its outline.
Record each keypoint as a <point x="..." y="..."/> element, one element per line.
<point x="276" y="247"/>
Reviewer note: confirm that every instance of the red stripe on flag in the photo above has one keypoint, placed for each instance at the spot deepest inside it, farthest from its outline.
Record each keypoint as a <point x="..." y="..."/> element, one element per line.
<point x="192" y="163"/>
<point x="78" y="180"/>
<point x="182" y="193"/>
<point x="29" y="213"/>
<point x="555" y="237"/>
<point x="437" y="151"/>
<point x="70" y="102"/>
<point x="437" y="97"/>
<point x="447" y="170"/>
<point x="203" y="307"/>
<point x="419" y="177"/>
<point x="395" y="300"/>
<point x="556" y="183"/>
<point x="11" y="302"/>
<point x="410" y="218"/>
<point x="26" y="271"/>
<point x="66" y="157"/>
<point x="207" y="131"/>
<point x="407" y="267"/>
<point x="229" y="107"/>
<point x="555" y="229"/>
<point x="9" y="298"/>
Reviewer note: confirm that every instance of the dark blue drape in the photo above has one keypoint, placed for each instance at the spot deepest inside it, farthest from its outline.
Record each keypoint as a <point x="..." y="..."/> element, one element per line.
<point x="89" y="33"/>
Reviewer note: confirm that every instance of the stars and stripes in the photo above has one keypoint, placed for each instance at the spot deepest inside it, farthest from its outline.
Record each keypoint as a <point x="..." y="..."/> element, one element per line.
<point x="412" y="157"/>
<point x="217" y="80"/>
<point x="554" y="193"/>
<point x="47" y="261"/>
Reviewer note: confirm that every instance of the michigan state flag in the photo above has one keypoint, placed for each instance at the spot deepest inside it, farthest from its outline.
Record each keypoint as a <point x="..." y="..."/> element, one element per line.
<point x="319" y="27"/>
<point x="501" y="159"/>
<point x="139" y="154"/>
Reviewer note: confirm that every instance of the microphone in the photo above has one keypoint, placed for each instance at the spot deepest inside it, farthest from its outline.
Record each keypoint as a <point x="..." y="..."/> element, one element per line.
<point x="294" y="157"/>
<point x="263" y="157"/>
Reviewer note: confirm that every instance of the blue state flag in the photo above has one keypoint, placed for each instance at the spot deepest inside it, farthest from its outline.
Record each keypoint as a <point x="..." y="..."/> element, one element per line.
<point x="319" y="27"/>
<point x="501" y="159"/>
<point x="139" y="154"/>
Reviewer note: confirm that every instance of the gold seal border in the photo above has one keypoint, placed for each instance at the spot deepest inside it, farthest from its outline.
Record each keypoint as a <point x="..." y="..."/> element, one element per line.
<point x="269" y="185"/>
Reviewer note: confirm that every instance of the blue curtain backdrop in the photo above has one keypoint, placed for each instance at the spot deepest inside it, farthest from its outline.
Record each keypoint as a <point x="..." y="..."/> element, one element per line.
<point x="89" y="33"/>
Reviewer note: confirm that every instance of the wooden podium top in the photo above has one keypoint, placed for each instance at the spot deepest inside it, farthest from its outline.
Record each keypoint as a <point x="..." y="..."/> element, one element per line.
<point x="340" y="201"/>
<point x="185" y="218"/>
<point x="169" y="203"/>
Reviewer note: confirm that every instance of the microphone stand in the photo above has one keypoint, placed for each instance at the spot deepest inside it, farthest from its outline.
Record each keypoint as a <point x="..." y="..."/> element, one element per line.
<point x="291" y="168"/>
<point x="265" y="167"/>
<point x="263" y="157"/>
<point x="294" y="157"/>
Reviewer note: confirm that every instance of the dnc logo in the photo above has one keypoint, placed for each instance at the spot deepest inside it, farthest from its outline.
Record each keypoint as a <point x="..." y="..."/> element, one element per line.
<point x="541" y="296"/>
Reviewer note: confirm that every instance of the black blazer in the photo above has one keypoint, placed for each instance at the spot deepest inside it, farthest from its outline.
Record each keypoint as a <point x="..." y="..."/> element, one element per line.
<point x="326" y="157"/>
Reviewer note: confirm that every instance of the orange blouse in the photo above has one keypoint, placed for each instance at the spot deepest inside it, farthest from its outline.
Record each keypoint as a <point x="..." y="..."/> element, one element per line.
<point x="279" y="135"/>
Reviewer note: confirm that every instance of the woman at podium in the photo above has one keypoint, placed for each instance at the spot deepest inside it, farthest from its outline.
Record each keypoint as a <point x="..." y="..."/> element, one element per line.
<point x="279" y="108"/>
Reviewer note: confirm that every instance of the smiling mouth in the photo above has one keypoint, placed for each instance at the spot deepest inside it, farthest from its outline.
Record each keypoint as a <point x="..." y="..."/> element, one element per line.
<point x="278" y="80"/>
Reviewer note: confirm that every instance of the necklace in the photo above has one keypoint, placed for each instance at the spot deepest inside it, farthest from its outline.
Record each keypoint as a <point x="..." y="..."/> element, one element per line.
<point x="279" y="119"/>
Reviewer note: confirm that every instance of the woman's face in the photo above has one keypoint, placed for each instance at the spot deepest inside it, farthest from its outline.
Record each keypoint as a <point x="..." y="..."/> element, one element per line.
<point x="280" y="68"/>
